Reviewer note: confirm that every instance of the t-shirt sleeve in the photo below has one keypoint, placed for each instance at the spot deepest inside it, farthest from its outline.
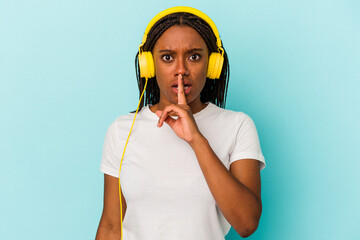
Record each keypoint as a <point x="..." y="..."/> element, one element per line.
<point x="110" y="162"/>
<point x="247" y="144"/>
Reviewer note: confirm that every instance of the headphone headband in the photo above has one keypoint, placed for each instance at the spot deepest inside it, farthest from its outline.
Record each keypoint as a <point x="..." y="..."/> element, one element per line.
<point x="187" y="10"/>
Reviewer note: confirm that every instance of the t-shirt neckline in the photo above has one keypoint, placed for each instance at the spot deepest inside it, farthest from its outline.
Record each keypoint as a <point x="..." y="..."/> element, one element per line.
<point x="151" y="114"/>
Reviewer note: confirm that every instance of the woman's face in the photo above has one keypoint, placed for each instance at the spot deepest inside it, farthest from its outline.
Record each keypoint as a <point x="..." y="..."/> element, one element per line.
<point x="180" y="50"/>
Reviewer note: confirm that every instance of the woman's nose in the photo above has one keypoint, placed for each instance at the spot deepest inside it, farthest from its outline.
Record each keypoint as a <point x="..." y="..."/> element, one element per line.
<point x="181" y="67"/>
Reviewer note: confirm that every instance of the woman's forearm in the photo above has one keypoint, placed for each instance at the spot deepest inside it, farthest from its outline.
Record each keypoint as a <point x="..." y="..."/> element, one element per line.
<point x="107" y="232"/>
<point x="238" y="204"/>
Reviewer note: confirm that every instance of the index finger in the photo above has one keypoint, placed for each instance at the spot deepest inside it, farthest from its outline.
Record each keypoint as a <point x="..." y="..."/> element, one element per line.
<point x="181" y="93"/>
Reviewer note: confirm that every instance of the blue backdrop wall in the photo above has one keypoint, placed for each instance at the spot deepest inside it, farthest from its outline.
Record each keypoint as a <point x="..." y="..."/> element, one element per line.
<point x="67" y="71"/>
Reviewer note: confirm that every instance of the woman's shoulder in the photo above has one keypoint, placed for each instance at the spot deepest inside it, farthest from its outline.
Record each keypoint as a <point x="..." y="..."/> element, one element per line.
<point x="227" y="113"/>
<point x="143" y="114"/>
<point x="130" y="116"/>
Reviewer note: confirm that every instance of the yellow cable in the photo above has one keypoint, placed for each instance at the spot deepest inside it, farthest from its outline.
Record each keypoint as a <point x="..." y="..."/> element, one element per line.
<point x="124" y="154"/>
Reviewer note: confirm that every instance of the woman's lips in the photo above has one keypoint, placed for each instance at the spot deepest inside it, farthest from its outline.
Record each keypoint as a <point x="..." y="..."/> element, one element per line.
<point x="187" y="89"/>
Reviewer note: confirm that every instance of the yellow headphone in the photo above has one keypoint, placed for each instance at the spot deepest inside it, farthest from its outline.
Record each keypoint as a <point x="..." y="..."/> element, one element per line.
<point x="147" y="66"/>
<point x="216" y="59"/>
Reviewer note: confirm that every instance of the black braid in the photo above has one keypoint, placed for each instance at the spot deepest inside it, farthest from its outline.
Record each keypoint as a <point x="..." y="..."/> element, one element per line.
<point x="214" y="91"/>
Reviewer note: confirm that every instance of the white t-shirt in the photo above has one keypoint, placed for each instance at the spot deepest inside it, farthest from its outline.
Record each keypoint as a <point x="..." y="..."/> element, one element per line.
<point x="165" y="190"/>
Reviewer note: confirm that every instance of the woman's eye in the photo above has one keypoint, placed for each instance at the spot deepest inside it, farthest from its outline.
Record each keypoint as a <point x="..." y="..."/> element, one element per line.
<point x="195" y="57"/>
<point x="166" y="58"/>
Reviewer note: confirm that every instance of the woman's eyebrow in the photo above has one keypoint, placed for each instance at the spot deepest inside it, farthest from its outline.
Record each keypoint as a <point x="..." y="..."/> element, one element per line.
<point x="188" y="51"/>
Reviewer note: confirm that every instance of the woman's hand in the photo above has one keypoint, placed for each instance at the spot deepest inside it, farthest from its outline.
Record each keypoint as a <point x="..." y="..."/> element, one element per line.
<point x="184" y="126"/>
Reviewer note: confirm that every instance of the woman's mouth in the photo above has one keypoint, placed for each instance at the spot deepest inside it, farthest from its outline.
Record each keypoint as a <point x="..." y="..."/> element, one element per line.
<point x="187" y="88"/>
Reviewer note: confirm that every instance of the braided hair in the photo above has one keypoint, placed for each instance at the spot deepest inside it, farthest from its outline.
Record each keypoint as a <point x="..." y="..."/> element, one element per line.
<point x="214" y="91"/>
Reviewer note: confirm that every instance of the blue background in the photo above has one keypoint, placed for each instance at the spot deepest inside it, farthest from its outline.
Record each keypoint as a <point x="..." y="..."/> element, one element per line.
<point x="67" y="71"/>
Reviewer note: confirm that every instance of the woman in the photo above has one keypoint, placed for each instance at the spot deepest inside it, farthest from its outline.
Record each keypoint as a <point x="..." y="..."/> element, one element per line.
<point x="182" y="179"/>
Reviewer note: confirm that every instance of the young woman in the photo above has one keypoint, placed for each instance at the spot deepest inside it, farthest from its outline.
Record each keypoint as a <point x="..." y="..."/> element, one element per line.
<point x="180" y="177"/>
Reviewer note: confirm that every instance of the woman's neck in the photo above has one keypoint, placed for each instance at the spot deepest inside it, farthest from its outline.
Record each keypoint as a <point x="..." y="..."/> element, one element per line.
<point x="195" y="106"/>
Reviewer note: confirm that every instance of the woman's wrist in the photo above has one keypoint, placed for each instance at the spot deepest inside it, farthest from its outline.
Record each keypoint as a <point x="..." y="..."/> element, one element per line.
<point x="198" y="141"/>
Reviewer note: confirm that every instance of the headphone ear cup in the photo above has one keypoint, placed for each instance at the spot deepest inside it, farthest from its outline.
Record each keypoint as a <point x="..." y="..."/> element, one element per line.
<point x="216" y="61"/>
<point x="146" y="64"/>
